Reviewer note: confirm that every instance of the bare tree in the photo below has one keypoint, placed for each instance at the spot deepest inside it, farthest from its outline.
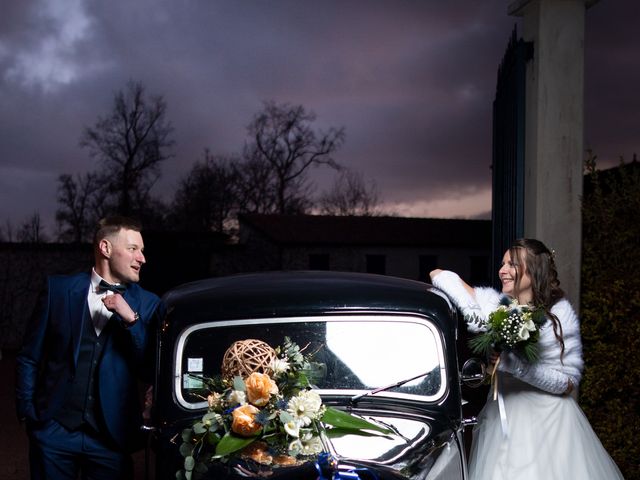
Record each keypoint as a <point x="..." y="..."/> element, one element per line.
<point x="6" y="232"/>
<point x="79" y="206"/>
<point x="283" y="139"/>
<point x="257" y="189"/>
<point x="31" y="230"/>
<point x="270" y="177"/>
<point x="207" y="198"/>
<point x="255" y="186"/>
<point x="350" y="195"/>
<point x="131" y="142"/>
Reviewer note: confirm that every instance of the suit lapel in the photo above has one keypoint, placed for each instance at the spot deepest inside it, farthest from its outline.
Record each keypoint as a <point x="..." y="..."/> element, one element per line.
<point x="78" y="308"/>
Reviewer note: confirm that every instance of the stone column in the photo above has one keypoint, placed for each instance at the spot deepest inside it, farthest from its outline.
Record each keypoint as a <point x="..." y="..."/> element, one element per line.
<point x="554" y="145"/>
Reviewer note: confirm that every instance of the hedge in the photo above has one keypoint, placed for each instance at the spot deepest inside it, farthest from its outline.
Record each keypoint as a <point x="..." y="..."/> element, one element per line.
<point x="610" y="310"/>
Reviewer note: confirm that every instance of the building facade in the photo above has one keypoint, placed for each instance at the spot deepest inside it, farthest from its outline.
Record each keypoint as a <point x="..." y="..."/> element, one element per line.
<point x="398" y="246"/>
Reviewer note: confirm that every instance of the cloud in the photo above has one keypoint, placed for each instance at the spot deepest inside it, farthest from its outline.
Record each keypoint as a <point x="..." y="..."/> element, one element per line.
<point x="411" y="82"/>
<point x="46" y="56"/>
<point x="466" y="204"/>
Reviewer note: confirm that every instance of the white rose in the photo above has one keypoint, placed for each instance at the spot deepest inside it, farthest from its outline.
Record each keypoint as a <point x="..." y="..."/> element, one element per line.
<point x="236" y="397"/>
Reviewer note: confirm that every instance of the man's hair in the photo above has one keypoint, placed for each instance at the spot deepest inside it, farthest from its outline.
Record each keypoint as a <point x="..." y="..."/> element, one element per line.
<point x="111" y="225"/>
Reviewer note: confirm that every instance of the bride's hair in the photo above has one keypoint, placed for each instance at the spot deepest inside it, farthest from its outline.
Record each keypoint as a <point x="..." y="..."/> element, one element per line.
<point x="539" y="263"/>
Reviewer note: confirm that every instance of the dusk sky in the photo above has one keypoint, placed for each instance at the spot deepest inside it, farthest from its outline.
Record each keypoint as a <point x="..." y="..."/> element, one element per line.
<point x="412" y="83"/>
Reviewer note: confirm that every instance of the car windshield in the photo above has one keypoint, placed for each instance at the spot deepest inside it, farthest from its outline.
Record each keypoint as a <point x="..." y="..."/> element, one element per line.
<point x="359" y="353"/>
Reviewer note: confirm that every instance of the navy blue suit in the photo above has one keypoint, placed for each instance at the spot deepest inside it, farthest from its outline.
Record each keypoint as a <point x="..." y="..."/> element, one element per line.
<point x="47" y="363"/>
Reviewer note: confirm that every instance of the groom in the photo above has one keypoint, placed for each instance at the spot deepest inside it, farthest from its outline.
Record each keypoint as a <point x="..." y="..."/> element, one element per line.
<point x="78" y="371"/>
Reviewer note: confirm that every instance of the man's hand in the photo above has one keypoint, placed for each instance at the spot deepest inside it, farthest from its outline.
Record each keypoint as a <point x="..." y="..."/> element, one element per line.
<point x="117" y="304"/>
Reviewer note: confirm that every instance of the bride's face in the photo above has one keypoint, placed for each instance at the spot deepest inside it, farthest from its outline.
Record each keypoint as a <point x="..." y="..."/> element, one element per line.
<point x="516" y="282"/>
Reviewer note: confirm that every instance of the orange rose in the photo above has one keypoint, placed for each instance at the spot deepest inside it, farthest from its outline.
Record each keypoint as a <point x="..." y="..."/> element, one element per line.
<point x="244" y="421"/>
<point x="260" y="388"/>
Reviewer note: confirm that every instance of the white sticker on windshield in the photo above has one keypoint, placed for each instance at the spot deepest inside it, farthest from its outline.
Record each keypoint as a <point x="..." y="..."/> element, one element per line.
<point x="191" y="382"/>
<point x="194" y="365"/>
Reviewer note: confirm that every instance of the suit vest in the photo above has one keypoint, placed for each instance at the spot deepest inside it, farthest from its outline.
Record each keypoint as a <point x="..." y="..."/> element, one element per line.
<point x="82" y="405"/>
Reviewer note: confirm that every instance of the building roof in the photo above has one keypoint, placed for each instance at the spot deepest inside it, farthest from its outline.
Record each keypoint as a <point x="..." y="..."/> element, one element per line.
<point x="380" y="231"/>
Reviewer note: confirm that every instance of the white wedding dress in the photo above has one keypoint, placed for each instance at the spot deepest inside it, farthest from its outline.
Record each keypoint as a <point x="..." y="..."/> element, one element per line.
<point x="548" y="437"/>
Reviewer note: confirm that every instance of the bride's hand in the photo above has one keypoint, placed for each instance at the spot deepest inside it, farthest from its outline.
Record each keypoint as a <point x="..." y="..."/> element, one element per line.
<point x="493" y="357"/>
<point x="569" y="388"/>
<point x="434" y="273"/>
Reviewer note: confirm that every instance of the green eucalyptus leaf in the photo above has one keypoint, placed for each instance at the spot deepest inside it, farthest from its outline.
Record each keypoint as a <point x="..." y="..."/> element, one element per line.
<point x="186" y="449"/>
<point x="238" y="384"/>
<point x="285" y="417"/>
<point x="201" y="467"/>
<point x="199" y="428"/>
<point x="231" y="443"/>
<point x="211" y="419"/>
<point x="187" y="435"/>
<point x="338" y="418"/>
<point x="189" y="463"/>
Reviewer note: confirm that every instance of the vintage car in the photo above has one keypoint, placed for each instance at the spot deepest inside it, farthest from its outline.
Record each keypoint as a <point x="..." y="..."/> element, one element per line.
<point x="388" y="350"/>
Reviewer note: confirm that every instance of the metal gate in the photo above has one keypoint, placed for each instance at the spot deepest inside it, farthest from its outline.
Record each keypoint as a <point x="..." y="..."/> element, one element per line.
<point x="508" y="149"/>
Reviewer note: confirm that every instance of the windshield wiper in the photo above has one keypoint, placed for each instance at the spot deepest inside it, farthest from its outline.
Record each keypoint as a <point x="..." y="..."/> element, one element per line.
<point x="355" y="398"/>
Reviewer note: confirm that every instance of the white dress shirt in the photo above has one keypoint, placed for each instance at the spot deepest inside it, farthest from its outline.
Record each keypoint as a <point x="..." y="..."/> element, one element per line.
<point x="99" y="313"/>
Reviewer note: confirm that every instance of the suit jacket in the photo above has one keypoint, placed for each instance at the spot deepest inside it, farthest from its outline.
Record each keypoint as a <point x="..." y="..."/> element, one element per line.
<point x="46" y="364"/>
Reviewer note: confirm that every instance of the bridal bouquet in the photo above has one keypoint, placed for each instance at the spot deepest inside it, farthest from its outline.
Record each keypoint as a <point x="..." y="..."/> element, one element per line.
<point x="510" y="327"/>
<point x="262" y="408"/>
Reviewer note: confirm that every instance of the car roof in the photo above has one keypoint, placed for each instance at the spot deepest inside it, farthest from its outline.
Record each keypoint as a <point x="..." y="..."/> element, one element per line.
<point x="300" y="293"/>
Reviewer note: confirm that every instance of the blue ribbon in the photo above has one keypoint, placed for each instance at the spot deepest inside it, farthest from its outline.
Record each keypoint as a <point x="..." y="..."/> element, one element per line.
<point x="346" y="476"/>
<point x="327" y="468"/>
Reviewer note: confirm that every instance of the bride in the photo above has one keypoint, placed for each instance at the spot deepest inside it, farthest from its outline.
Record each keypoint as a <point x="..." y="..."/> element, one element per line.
<point x="535" y="428"/>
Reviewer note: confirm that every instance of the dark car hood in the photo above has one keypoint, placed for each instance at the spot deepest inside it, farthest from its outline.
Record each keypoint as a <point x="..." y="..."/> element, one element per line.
<point x="414" y="444"/>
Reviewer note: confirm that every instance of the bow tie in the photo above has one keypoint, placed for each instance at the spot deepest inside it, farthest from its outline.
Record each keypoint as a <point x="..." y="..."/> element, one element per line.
<point x="104" y="285"/>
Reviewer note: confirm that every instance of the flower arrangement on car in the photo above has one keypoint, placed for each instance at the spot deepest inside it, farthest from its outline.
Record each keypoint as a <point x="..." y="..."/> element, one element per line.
<point x="511" y="327"/>
<point x="262" y="408"/>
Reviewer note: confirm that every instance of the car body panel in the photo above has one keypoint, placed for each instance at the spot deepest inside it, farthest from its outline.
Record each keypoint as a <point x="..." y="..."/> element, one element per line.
<point x="404" y="325"/>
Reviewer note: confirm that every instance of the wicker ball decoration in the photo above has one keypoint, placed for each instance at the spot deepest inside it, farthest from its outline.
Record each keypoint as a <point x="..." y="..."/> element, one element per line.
<point x="247" y="356"/>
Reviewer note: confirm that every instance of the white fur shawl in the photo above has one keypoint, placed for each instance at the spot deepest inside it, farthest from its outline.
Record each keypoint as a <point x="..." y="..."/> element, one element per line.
<point x="551" y="372"/>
